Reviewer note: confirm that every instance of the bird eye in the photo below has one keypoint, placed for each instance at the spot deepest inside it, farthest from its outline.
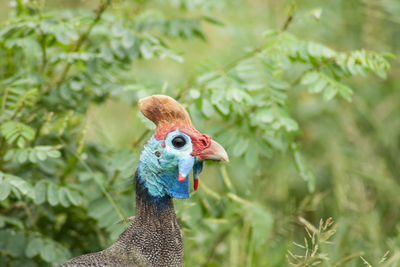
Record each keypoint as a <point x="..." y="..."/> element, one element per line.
<point x="178" y="141"/>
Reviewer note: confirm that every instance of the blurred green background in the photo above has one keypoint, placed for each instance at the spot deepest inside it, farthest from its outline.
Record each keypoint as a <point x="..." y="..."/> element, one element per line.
<point x="353" y="148"/>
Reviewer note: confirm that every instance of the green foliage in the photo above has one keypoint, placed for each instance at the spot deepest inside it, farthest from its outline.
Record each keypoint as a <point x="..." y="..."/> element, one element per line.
<point x="256" y="87"/>
<point x="66" y="186"/>
<point x="17" y="132"/>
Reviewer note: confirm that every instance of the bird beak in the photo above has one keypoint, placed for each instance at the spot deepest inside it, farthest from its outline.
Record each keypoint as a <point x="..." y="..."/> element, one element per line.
<point x="214" y="152"/>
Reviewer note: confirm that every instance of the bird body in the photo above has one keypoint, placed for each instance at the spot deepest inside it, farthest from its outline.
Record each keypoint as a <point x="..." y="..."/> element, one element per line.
<point x="176" y="148"/>
<point x="153" y="238"/>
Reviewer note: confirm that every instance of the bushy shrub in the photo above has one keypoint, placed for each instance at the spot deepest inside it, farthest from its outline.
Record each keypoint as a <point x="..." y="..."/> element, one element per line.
<point x="62" y="195"/>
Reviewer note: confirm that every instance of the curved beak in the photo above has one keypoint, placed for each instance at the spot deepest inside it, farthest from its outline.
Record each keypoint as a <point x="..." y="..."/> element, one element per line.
<point x="214" y="152"/>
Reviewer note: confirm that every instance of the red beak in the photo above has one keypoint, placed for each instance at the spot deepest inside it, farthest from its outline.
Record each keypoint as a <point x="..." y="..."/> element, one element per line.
<point x="214" y="152"/>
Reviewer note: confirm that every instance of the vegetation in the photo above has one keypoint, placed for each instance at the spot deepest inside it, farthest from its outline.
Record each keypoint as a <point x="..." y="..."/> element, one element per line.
<point x="300" y="94"/>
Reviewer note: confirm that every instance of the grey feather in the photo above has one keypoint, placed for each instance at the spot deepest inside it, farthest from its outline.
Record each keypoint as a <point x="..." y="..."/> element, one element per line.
<point x="153" y="239"/>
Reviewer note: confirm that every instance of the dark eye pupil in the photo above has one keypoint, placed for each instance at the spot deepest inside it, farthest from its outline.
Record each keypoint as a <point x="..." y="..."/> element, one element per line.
<point x="178" y="141"/>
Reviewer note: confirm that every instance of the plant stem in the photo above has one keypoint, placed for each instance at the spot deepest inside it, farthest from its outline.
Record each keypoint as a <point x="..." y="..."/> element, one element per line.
<point x="221" y="237"/>
<point x="44" y="52"/>
<point x="347" y="258"/>
<point x="227" y="67"/>
<point x="140" y="139"/>
<point x="83" y="38"/>
<point x="289" y="17"/>
<point x="100" y="185"/>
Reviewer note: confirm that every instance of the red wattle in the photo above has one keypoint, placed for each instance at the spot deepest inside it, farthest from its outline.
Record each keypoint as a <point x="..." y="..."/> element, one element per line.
<point x="181" y="178"/>
<point x="195" y="184"/>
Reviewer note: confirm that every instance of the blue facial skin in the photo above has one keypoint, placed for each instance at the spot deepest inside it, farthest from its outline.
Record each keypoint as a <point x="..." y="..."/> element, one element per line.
<point x="159" y="167"/>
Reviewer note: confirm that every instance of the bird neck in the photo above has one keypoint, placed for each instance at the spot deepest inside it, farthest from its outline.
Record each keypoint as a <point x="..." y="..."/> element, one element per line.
<point x="148" y="206"/>
<point x="154" y="236"/>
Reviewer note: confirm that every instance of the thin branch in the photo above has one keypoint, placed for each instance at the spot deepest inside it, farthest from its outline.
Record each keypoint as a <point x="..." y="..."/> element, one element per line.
<point x="289" y="17"/>
<point x="347" y="258"/>
<point x="221" y="237"/>
<point x="3" y="104"/>
<point x="140" y="139"/>
<point x="252" y="53"/>
<point x="314" y="67"/>
<point x="44" y="50"/>
<point x="84" y="37"/>
<point x="102" y="188"/>
<point x="225" y="69"/>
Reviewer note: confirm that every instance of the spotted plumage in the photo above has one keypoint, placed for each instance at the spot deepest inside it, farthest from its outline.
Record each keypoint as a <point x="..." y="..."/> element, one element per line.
<point x="176" y="148"/>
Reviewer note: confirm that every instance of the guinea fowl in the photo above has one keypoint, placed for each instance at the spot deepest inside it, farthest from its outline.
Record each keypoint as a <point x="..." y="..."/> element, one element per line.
<point x="176" y="148"/>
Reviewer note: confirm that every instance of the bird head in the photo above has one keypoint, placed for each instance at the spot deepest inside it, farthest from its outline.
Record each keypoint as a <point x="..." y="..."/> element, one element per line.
<point x="175" y="149"/>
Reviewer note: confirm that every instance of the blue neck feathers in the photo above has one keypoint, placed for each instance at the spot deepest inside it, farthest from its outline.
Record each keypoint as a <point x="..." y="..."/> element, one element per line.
<point x="144" y="198"/>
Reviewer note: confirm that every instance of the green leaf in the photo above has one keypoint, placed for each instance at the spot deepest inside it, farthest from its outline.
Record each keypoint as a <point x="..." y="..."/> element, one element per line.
<point x="62" y="194"/>
<point x="62" y="37"/>
<point x="263" y="116"/>
<point x="206" y="108"/>
<point x="218" y="99"/>
<point x="74" y="197"/>
<point x="124" y="162"/>
<point x="9" y="155"/>
<point x="52" y="194"/>
<point x="10" y="220"/>
<point x="309" y="78"/>
<point x="48" y="253"/>
<point x="17" y="130"/>
<point x="290" y="124"/>
<point x="5" y="236"/>
<point x="16" y="193"/>
<point x="21" y="142"/>
<point x="309" y="176"/>
<point x="24" y="187"/>
<point x="240" y="146"/>
<point x="302" y="52"/>
<point x="34" y="247"/>
<point x="76" y="85"/>
<point x="99" y="208"/>
<point x="146" y="50"/>
<point x="251" y="157"/>
<point x="261" y="221"/>
<point x="54" y="154"/>
<point x="108" y="219"/>
<point x="194" y="94"/>
<point x="269" y="33"/>
<point x="128" y="39"/>
<point x="22" y="156"/>
<point x="41" y="155"/>
<point x="206" y="77"/>
<point x="305" y="172"/>
<point x="5" y="189"/>
<point x="213" y="20"/>
<point x="318" y="85"/>
<point x="329" y="92"/>
<point x="32" y="156"/>
<point x="106" y="53"/>
<point x="16" y="245"/>
<point x="40" y="192"/>
<point x="346" y="92"/>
